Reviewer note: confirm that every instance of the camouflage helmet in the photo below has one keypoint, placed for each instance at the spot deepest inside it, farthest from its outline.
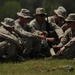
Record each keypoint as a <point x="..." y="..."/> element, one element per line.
<point x="61" y="12"/>
<point x="39" y="11"/>
<point x="25" y="13"/>
<point x="8" y="22"/>
<point x="71" y="17"/>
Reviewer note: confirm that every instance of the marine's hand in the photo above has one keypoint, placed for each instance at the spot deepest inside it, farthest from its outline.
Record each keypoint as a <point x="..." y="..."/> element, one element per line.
<point x="61" y="50"/>
<point x="42" y="36"/>
<point x="50" y="39"/>
<point x="45" y="33"/>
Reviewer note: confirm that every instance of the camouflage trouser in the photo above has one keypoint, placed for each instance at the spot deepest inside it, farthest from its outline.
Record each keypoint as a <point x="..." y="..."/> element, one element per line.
<point x="2" y="50"/>
<point x="69" y="52"/>
<point x="31" y="45"/>
<point x="9" y="49"/>
<point x="2" y="47"/>
<point x="36" y="43"/>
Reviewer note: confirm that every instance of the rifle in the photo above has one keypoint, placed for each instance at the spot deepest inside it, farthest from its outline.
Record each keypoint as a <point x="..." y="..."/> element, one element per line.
<point x="51" y="31"/>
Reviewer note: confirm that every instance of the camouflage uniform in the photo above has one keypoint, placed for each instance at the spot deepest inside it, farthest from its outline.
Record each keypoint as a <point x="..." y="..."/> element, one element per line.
<point x="44" y="26"/>
<point x="55" y="26"/>
<point x="41" y="28"/>
<point x="49" y="26"/>
<point x="30" y="40"/>
<point x="61" y="13"/>
<point x="8" y="41"/>
<point x="34" y="23"/>
<point x="68" y="35"/>
<point x="68" y="41"/>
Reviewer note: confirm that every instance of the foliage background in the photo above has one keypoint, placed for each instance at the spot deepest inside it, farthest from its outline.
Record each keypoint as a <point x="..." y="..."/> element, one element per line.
<point x="9" y="8"/>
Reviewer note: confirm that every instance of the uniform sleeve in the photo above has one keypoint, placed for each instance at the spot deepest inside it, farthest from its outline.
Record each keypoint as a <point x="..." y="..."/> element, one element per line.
<point x="31" y="24"/>
<point x="33" y="30"/>
<point x="70" y="43"/>
<point x="23" y="33"/>
<point x="3" y="43"/>
<point x="65" y="39"/>
<point x="57" y="29"/>
<point x="59" y="32"/>
<point x="10" y="38"/>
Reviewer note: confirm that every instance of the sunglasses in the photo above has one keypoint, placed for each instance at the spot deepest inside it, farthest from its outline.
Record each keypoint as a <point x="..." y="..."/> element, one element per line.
<point x="41" y="15"/>
<point x="68" y="22"/>
<point x="28" y="18"/>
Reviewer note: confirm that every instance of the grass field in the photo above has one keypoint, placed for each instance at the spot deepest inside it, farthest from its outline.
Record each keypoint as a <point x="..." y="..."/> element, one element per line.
<point x="37" y="67"/>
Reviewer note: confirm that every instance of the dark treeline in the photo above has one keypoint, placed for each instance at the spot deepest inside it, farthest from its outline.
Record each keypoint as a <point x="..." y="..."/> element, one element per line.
<point x="9" y="8"/>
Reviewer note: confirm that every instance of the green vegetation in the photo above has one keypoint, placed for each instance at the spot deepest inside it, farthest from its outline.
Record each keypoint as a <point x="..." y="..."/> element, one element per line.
<point x="9" y="8"/>
<point x="37" y="67"/>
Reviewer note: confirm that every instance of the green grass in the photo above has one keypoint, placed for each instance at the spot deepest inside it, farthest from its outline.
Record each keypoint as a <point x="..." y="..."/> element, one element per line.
<point x="37" y="67"/>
